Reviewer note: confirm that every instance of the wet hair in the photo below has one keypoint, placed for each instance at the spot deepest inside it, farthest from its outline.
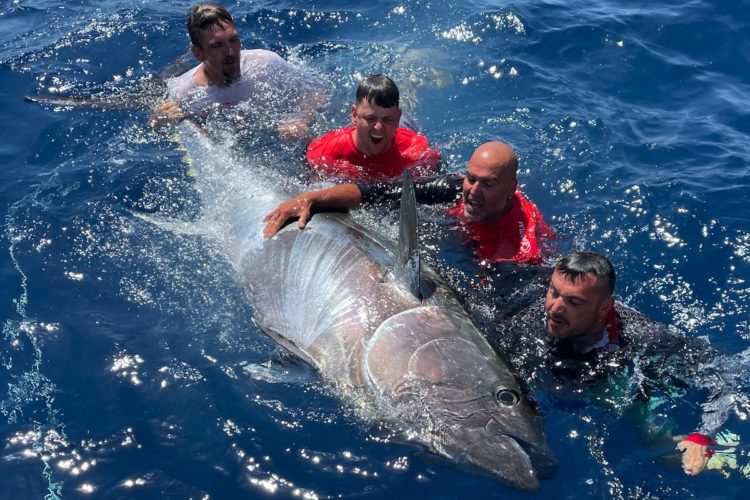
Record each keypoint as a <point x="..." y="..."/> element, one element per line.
<point x="576" y="265"/>
<point x="203" y="16"/>
<point x="379" y="90"/>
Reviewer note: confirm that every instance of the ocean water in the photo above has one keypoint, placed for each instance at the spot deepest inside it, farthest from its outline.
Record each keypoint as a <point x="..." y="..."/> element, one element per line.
<point x="130" y="364"/>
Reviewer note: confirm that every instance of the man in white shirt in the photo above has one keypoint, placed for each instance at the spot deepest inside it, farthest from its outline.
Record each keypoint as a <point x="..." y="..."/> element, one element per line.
<point x="229" y="76"/>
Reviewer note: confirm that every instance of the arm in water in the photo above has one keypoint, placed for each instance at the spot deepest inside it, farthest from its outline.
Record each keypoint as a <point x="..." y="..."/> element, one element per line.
<point x="337" y="198"/>
<point x="306" y="111"/>
<point x="711" y="446"/>
<point x="674" y="362"/>
<point x="439" y="189"/>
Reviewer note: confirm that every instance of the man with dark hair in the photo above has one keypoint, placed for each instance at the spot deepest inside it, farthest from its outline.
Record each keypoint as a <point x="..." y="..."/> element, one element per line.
<point x="374" y="147"/>
<point x="228" y="75"/>
<point x="579" y="303"/>
<point x="494" y="216"/>
<point x="581" y="338"/>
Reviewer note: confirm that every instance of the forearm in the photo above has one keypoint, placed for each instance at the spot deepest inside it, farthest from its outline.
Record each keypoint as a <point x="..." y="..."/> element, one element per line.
<point x="337" y="198"/>
<point x="436" y="189"/>
<point x="341" y="197"/>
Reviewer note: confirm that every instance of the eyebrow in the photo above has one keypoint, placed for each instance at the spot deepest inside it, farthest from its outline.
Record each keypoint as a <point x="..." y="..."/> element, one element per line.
<point x="567" y="296"/>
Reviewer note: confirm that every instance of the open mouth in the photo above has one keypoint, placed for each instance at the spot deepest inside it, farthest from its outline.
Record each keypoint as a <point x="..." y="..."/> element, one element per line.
<point x="556" y="321"/>
<point x="377" y="139"/>
<point x="472" y="206"/>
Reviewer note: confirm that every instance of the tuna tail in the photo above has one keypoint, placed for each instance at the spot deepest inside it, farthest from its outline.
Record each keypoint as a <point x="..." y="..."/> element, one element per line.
<point x="408" y="241"/>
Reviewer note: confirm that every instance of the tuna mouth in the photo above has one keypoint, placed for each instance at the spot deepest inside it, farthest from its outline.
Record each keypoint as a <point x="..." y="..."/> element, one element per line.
<point x="523" y="465"/>
<point x="544" y="463"/>
<point x="511" y="460"/>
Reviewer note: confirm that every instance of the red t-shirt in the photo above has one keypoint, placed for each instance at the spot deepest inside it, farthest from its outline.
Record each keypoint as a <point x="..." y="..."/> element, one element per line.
<point x="515" y="237"/>
<point x="335" y="155"/>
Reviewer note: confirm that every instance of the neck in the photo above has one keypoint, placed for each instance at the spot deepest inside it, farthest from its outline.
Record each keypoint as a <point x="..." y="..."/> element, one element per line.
<point x="585" y="342"/>
<point x="499" y="215"/>
<point x="204" y="79"/>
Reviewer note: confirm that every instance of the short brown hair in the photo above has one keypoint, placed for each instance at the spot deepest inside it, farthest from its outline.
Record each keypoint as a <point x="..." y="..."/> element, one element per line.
<point x="204" y="15"/>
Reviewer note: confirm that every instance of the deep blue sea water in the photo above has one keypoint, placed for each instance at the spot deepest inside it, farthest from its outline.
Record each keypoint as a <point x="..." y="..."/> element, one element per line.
<point x="125" y="341"/>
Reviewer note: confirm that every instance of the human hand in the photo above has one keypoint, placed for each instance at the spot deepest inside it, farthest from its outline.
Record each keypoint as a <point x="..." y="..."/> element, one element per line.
<point x="166" y="113"/>
<point x="300" y="207"/>
<point x="695" y="453"/>
<point x="293" y="130"/>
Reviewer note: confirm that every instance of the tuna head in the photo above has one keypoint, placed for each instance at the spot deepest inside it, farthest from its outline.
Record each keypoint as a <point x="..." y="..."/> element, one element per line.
<point x="443" y="384"/>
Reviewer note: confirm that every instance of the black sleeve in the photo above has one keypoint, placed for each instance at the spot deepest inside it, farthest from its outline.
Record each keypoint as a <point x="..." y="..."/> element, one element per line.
<point x="429" y="190"/>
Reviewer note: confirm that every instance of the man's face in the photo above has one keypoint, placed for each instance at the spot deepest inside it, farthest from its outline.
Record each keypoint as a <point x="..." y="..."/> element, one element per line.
<point x="374" y="127"/>
<point x="488" y="190"/>
<point x="576" y="311"/>
<point x="219" y="51"/>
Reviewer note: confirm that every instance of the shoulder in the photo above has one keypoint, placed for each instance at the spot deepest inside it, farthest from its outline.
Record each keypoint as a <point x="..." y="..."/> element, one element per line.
<point x="651" y="336"/>
<point x="264" y="57"/>
<point x="533" y="215"/>
<point x="407" y="135"/>
<point x="415" y="146"/>
<point x="524" y="208"/>
<point x="334" y="138"/>
<point x="181" y="86"/>
<point x="522" y="329"/>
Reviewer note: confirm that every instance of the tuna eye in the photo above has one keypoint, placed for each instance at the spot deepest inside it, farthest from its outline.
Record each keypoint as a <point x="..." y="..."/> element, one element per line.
<point x="507" y="397"/>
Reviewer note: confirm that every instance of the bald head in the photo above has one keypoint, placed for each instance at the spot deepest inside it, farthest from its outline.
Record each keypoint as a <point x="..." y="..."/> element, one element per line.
<point x="490" y="183"/>
<point x="499" y="156"/>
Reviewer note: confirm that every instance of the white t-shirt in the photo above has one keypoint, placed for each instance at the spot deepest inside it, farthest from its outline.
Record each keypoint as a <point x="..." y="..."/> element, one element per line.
<point x="266" y="80"/>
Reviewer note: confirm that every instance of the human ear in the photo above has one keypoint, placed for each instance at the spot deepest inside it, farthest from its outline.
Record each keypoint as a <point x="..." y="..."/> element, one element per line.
<point x="197" y="52"/>
<point x="607" y="305"/>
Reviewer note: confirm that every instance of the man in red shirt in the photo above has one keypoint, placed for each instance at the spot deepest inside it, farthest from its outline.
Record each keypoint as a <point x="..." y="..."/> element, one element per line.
<point x="493" y="213"/>
<point x="373" y="147"/>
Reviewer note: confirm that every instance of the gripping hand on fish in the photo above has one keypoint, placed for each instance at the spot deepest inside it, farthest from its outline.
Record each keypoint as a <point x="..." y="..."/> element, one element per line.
<point x="299" y="207"/>
<point x="337" y="198"/>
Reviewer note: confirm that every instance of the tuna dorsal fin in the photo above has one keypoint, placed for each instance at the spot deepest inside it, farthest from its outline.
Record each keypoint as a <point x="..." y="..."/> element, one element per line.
<point x="408" y="242"/>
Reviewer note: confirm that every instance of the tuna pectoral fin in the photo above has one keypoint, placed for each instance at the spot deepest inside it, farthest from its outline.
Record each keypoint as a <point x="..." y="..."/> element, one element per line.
<point x="288" y="345"/>
<point x="408" y="241"/>
<point x="284" y="369"/>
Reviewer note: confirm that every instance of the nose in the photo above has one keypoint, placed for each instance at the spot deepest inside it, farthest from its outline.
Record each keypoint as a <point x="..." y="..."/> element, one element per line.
<point x="556" y="305"/>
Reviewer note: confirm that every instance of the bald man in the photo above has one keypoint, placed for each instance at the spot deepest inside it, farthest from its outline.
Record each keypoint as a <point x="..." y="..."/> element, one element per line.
<point x="494" y="215"/>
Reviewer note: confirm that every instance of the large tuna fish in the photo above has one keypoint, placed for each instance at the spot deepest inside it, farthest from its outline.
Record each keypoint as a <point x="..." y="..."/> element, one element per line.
<point x="335" y="295"/>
